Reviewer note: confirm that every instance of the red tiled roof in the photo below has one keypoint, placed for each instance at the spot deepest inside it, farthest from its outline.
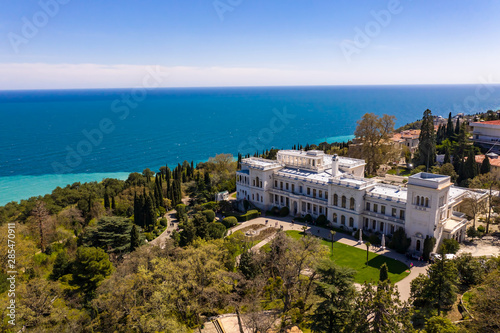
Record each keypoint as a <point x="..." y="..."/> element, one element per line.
<point x="491" y="122"/>
<point x="493" y="161"/>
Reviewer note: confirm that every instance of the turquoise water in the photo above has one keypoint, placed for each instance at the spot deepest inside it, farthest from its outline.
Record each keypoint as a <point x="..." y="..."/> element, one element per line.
<point x="52" y="138"/>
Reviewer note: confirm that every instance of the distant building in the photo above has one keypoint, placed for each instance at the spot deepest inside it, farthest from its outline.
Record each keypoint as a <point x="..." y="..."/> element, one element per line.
<point x="222" y="196"/>
<point x="311" y="182"/>
<point x="494" y="162"/>
<point x="487" y="134"/>
<point x="408" y="138"/>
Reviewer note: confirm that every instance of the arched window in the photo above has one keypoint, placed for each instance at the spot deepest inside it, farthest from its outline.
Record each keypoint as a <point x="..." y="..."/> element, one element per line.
<point x="344" y="201"/>
<point x="353" y="203"/>
<point x="335" y="200"/>
<point x="351" y="222"/>
<point x="342" y="220"/>
<point x="334" y="217"/>
<point x="426" y="202"/>
<point x="418" y="200"/>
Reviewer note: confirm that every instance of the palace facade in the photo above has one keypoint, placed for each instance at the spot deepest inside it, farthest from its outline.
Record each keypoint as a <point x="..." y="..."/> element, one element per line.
<point x="312" y="182"/>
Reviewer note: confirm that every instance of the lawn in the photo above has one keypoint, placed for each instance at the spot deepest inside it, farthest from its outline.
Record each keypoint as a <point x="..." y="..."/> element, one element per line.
<point x="348" y="256"/>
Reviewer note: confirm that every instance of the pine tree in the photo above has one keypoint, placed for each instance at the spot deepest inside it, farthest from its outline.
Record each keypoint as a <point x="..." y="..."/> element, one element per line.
<point x="426" y="152"/>
<point x="134" y="239"/>
<point x="485" y="166"/>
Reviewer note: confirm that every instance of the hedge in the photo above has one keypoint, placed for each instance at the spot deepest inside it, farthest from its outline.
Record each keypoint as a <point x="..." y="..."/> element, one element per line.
<point x="209" y="214"/>
<point x="230" y="221"/>
<point x="284" y="211"/>
<point x="250" y="215"/>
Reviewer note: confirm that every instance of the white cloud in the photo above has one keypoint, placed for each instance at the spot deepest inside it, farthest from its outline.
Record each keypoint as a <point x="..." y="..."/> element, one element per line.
<point x="75" y="76"/>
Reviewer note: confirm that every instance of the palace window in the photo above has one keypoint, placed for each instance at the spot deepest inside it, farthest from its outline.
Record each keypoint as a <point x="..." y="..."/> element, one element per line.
<point x="308" y="191"/>
<point x="300" y="189"/>
<point x="368" y="206"/>
<point x="351" y="222"/>
<point x="276" y="184"/>
<point x="394" y="212"/>
<point x="326" y="194"/>
<point x="308" y="207"/>
<point x="382" y="209"/>
<point x="352" y="203"/>
<point x="381" y="226"/>
<point x="334" y="217"/>
<point x="281" y="185"/>
<point x="418" y="201"/>
<point x="293" y="188"/>
<point x="374" y="225"/>
<point x="344" y="201"/>
<point x="287" y="186"/>
<point x="375" y="208"/>
<point x="426" y="202"/>
<point x="314" y="193"/>
<point x="342" y="220"/>
<point x="335" y="200"/>
<point x="320" y="193"/>
<point x="402" y="214"/>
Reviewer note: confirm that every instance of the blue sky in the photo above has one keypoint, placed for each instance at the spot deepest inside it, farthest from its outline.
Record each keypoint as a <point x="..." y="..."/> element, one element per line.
<point x="105" y="44"/>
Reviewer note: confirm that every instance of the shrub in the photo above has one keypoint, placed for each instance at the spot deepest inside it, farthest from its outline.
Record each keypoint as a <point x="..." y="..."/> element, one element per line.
<point x="481" y="229"/>
<point x="164" y="222"/>
<point x="284" y="211"/>
<point x="250" y="215"/>
<point x="308" y="218"/>
<point x="230" y="222"/>
<point x="321" y="221"/>
<point x="373" y="239"/>
<point x="275" y="210"/>
<point x="471" y="232"/>
<point x="209" y="214"/>
<point x="212" y="205"/>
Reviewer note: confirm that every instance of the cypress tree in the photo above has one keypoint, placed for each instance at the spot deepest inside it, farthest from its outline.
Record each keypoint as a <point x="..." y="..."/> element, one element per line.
<point x="106" y="200"/>
<point x="426" y="152"/>
<point x="150" y="214"/>
<point x="457" y="127"/>
<point x="384" y="272"/>
<point x="449" y="128"/>
<point x="134" y="238"/>
<point x="113" y="203"/>
<point x="447" y="158"/>
<point x="485" y="166"/>
<point x="470" y="167"/>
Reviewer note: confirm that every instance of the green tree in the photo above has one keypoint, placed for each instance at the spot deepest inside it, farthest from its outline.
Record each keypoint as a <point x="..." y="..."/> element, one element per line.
<point x="209" y="214"/>
<point x="372" y="133"/>
<point x="248" y="265"/>
<point x="230" y="221"/>
<point x="450" y="130"/>
<point x="107" y="204"/>
<point x="449" y="246"/>
<point x="367" y="251"/>
<point x="485" y="166"/>
<point x="490" y="182"/>
<point x="62" y="265"/>
<point x="111" y="234"/>
<point x="90" y="268"/>
<point x="336" y="291"/>
<point x="437" y="290"/>
<point x="470" y="166"/>
<point x="426" y="151"/>
<point x="216" y="230"/>
<point x="135" y="238"/>
<point x="438" y="324"/>
<point x="429" y="244"/>
<point x="384" y="272"/>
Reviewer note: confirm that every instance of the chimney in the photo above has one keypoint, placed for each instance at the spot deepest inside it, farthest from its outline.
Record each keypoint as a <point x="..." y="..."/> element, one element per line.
<point x="335" y="165"/>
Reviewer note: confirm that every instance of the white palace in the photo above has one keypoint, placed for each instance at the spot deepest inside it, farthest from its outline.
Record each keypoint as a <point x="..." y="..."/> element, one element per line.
<point x="312" y="182"/>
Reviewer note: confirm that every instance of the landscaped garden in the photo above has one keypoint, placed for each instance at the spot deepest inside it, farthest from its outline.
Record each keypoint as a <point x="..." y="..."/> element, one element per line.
<point x="348" y="256"/>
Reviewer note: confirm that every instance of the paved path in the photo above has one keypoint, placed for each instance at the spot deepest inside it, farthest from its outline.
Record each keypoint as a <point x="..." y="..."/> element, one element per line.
<point x="171" y="226"/>
<point x="286" y="222"/>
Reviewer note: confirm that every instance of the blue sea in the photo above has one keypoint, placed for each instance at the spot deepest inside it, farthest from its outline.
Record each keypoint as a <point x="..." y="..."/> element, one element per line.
<point x="51" y="138"/>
